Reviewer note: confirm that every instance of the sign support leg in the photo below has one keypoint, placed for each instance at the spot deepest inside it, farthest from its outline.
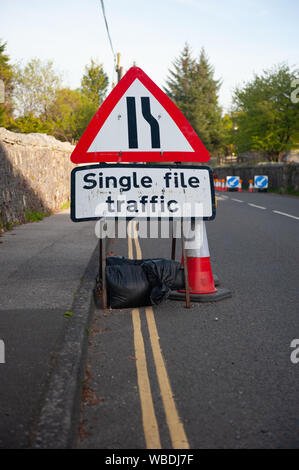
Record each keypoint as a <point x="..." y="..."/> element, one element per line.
<point x="103" y="246"/>
<point x="187" y="288"/>
<point x="173" y="244"/>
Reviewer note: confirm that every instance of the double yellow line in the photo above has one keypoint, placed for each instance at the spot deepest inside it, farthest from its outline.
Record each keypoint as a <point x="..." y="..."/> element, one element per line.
<point x="149" y="420"/>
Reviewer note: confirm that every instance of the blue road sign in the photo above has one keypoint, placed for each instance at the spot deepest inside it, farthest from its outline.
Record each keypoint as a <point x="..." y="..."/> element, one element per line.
<point x="232" y="181"/>
<point x="261" y="182"/>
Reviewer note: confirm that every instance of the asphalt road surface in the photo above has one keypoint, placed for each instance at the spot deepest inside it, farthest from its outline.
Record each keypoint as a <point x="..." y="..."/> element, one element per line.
<point x="218" y="375"/>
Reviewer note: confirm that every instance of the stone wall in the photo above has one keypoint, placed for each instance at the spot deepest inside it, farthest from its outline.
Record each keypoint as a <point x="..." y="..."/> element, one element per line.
<point x="281" y="175"/>
<point x="34" y="175"/>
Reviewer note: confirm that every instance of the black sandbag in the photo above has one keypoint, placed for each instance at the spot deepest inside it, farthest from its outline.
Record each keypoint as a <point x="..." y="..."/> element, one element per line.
<point x="164" y="276"/>
<point x="127" y="286"/>
<point x="165" y="269"/>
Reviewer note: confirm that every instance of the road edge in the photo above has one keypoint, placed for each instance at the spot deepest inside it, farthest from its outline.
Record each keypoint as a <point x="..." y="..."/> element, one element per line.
<point x="58" y="420"/>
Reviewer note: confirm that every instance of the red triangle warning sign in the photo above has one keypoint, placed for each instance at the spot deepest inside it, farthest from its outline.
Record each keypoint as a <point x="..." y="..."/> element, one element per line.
<point x="139" y="123"/>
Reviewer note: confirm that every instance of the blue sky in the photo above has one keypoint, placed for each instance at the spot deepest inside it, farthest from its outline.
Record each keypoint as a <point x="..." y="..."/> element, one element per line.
<point x="240" y="37"/>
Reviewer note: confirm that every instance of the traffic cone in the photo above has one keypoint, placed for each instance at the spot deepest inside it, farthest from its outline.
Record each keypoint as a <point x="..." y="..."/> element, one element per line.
<point x="251" y="186"/>
<point x="200" y="276"/>
<point x="240" y="185"/>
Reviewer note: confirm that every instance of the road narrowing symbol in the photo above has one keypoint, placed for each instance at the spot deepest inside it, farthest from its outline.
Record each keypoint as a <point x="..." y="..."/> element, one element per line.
<point x="132" y="122"/>
<point x="139" y="123"/>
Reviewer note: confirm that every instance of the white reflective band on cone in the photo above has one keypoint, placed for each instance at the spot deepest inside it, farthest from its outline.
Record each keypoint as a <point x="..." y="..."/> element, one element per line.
<point x="197" y="245"/>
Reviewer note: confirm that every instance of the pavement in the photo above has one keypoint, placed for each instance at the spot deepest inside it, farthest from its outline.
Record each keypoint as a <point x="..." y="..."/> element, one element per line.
<point x="45" y="272"/>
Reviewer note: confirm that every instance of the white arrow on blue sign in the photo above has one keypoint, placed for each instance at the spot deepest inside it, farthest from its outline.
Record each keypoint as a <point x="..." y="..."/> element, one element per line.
<point x="261" y="182"/>
<point x="232" y="181"/>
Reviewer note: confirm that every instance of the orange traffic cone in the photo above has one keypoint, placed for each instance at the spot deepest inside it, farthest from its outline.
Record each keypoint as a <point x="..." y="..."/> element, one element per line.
<point x="251" y="186"/>
<point x="240" y="185"/>
<point x="200" y="276"/>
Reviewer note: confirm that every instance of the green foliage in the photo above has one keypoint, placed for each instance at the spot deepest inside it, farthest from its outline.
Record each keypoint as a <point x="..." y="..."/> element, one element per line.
<point x="35" y="216"/>
<point x="8" y="226"/>
<point x="228" y="131"/>
<point x="6" y="74"/>
<point x="290" y="190"/>
<point x="42" y="105"/>
<point x="65" y="205"/>
<point x="28" y="124"/>
<point x="191" y="85"/>
<point x="70" y="113"/>
<point x="264" y="114"/>
<point x="83" y="116"/>
<point x="68" y="314"/>
<point x="94" y="83"/>
<point x="35" y="87"/>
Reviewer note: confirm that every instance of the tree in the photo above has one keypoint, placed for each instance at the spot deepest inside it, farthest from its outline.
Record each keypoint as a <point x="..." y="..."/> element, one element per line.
<point x="191" y="85"/>
<point x="29" y="123"/>
<point x="6" y="74"/>
<point x="265" y="115"/>
<point x="42" y="105"/>
<point x="208" y="112"/>
<point x="94" y="83"/>
<point x="70" y="113"/>
<point x="228" y="130"/>
<point x="35" y="87"/>
<point x="180" y="83"/>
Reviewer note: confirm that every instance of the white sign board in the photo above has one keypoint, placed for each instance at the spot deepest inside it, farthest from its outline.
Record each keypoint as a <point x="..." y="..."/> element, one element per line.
<point x="232" y="182"/>
<point x="261" y="182"/>
<point x="142" y="191"/>
<point x="165" y="135"/>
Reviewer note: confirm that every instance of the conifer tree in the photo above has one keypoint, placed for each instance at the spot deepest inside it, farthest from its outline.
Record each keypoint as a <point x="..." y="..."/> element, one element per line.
<point x="194" y="90"/>
<point x="180" y="83"/>
<point x="94" y="83"/>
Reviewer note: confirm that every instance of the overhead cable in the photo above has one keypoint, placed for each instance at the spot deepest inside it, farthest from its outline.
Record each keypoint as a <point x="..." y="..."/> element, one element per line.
<point x="107" y="28"/>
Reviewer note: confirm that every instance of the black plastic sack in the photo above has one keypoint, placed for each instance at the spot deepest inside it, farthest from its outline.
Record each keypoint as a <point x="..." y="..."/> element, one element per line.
<point x="164" y="275"/>
<point x="161" y="268"/>
<point x="165" y="271"/>
<point x="136" y="283"/>
<point x="127" y="286"/>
